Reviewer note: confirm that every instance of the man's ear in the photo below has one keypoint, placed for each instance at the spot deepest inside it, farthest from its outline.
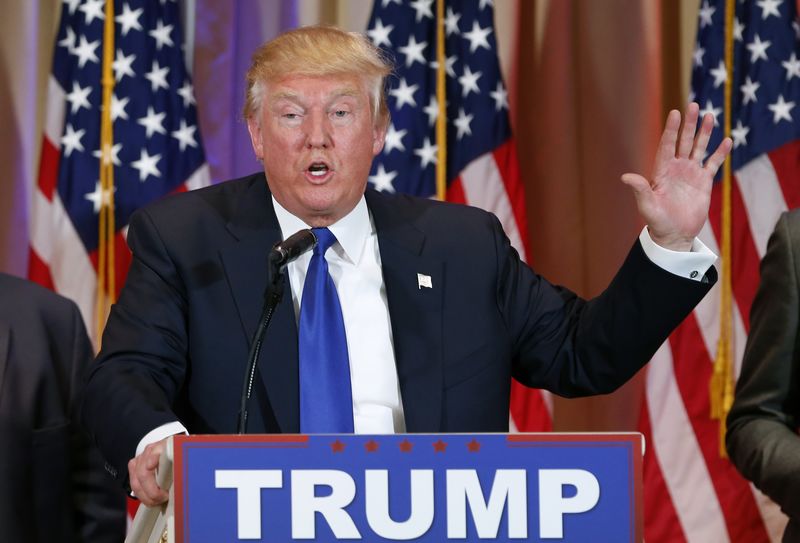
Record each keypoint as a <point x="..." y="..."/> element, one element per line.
<point x="254" y="127"/>
<point x="379" y="136"/>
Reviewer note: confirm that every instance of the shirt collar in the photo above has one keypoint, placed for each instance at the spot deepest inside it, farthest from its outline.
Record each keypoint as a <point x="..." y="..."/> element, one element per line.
<point x="351" y="231"/>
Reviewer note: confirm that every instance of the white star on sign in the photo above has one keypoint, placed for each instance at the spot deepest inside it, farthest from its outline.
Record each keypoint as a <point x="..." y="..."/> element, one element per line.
<point x="93" y="9"/>
<point x="153" y="122"/>
<point x="123" y="65"/>
<point x="187" y="93"/>
<point x="780" y="110"/>
<point x="720" y="74"/>
<point x="739" y="134"/>
<point x="758" y="48"/>
<point x="118" y="108"/>
<point x="749" y="90"/>
<point x="394" y="139"/>
<point x="129" y="19"/>
<point x="157" y="76"/>
<point x="500" y="97"/>
<point x="99" y="197"/>
<point x="161" y="34"/>
<point x="404" y="94"/>
<point x="380" y="34"/>
<point x="423" y="9"/>
<point x="709" y="108"/>
<point x="432" y="110"/>
<point x="413" y="51"/>
<point x="451" y="21"/>
<point x="769" y="7"/>
<point x="792" y="67"/>
<point x="462" y="124"/>
<point x="427" y="153"/>
<point x="706" y="12"/>
<point x="383" y="179"/>
<point x="469" y="82"/>
<point x="185" y="135"/>
<point x="85" y="52"/>
<point x="109" y="154"/>
<point x="146" y="165"/>
<point x="478" y="37"/>
<point x="79" y="97"/>
<point x="71" y="140"/>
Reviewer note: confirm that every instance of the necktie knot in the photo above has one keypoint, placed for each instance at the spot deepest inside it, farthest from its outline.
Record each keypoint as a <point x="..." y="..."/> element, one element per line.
<point x="325" y="239"/>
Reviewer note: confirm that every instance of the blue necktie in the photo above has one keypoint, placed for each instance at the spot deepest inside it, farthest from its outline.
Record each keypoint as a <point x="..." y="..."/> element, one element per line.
<point x="326" y="404"/>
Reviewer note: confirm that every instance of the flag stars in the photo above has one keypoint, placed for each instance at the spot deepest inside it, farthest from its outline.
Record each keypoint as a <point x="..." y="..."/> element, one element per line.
<point x="153" y="122"/>
<point x="157" y="76"/>
<point x="108" y="154"/>
<point x="706" y="14"/>
<point x="758" y="48"/>
<point x="769" y="7"/>
<point x="739" y="134"/>
<point x="720" y="74"/>
<point x="749" y="91"/>
<point x="187" y="93"/>
<point x="394" y="139"/>
<point x="161" y="34"/>
<point x="72" y="5"/>
<point x="485" y="3"/>
<point x="382" y="180"/>
<point x="738" y="30"/>
<point x="123" y="65"/>
<point x="792" y="67"/>
<point x="427" y="153"/>
<point x="404" y="94"/>
<point x="780" y="110"/>
<point x="423" y="9"/>
<point x="379" y="34"/>
<point x="697" y="56"/>
<point x="500" y="97"/>
<point x="147" y="165"/>
<point x="86" y="51"/>
<point x="449" y="62"/>
<point x="714" y="111"/>
<point x="185" y="135"/>
<point x="69" y="40"/>
<point x="451" y="22"/>
<point x="413" y="51"/>
<point x="79" y="97"/>
<point x="118" y="108"/>
<point x="462" y="124"/>
<point x="469" y="82"/>
<point x="71" y="140"/>
<point x="129" y="19"/>
<point x="432" y="110"/>
<point x="93" y="9"/>
<point x="99" y="198"/>
<point x="478" y="37"/>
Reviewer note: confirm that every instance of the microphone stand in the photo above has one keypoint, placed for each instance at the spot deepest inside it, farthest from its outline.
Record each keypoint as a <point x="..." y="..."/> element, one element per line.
<point x="272" y="297"/>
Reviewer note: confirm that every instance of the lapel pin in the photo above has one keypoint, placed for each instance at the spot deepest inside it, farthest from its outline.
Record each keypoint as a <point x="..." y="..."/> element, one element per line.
<point x="424" y="281"/>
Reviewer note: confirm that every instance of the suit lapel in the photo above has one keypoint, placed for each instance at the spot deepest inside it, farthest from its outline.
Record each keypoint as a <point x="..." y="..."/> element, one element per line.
<point x="256" y="229"/>
<point x="415" y="312"/>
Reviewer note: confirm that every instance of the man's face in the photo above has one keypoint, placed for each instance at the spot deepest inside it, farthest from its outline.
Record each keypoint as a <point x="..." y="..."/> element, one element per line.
<point x="317" y="138"/>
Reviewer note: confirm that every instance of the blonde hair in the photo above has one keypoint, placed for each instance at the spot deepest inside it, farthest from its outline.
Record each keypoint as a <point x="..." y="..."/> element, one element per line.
<point x="317" y="51"/>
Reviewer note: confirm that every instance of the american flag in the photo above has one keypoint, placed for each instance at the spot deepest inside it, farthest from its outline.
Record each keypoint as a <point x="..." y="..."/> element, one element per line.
<point x="691" y="492"/>
<point x="156" y="142"/>
<point x="482" y="166"/>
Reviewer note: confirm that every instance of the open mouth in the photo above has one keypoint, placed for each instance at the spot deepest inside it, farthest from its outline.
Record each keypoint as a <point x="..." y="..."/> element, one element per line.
<point x="318" y="169"/>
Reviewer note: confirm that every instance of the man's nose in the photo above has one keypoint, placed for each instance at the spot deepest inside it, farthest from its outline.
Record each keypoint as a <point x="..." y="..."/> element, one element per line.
<point x="318" y="131"/>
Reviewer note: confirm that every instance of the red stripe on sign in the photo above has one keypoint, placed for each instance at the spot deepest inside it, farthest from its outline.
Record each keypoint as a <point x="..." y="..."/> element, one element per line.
<point x="786" y="162"/>
<point x="661" y="518"/>
<point x="48" y="169"/>
<point x="505" y="157"/>
<point x="693" y="373"/>
<point x="39" y="271"/>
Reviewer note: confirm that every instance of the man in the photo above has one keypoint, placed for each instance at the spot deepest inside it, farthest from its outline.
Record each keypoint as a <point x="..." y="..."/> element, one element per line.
<point x="762" y="437"/>
<point x="53" y="485"/>
<point x="438" y="311"/>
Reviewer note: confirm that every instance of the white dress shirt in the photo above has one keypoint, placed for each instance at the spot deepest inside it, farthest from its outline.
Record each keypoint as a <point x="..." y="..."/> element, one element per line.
<point x="355" y="266"/>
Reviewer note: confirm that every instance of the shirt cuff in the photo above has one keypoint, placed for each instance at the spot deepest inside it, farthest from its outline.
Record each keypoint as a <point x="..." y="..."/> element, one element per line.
<point x="163" y="431"/>
<point x="691" y="264"/>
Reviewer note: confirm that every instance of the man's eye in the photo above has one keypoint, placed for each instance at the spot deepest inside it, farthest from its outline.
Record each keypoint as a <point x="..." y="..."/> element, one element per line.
<point x="290" y="116"/>
<point x="340" y="113"/>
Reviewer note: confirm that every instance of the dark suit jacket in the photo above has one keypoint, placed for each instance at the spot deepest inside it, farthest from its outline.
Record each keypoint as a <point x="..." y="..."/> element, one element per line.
<point x="762" y="434"/>
<point x="52" y="483"/>
<point x="176" y="343"/>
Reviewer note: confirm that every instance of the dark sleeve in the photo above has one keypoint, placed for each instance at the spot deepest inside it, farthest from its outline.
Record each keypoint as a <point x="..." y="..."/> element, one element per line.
<point x="762" y="437"/>
<point x="141" y="367"/>
<point x="98" y="502"/>
<point x="574" y="347"/>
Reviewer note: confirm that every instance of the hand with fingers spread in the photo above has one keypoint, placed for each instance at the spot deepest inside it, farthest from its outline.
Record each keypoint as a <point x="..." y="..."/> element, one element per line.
<point x="674" y="201"/>
<point x="142" y="473"/>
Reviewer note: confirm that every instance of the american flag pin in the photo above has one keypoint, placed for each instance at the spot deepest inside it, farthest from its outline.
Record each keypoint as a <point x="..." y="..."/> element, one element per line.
<point x="424" y="281"/>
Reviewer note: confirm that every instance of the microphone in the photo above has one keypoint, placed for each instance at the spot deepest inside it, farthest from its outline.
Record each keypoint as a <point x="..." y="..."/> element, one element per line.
<point x="291" y="248"/>
<point x="280" y="255"/>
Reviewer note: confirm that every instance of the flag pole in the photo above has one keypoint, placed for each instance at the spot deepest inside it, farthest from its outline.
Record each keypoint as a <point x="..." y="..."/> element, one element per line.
<point x="106" y="287"/>
<point x="441" y="99"/>
<point x="721" y="386"/>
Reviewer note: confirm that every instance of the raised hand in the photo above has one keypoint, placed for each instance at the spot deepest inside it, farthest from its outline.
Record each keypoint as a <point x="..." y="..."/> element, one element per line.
<point x="674" y="201"/>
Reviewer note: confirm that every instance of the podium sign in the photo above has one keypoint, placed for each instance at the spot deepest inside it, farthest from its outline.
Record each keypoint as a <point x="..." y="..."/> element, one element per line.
<point x="420" y="487"/>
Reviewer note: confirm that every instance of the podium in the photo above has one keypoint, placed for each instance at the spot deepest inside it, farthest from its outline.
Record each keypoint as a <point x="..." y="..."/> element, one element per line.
<point x="405" y="487"/>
